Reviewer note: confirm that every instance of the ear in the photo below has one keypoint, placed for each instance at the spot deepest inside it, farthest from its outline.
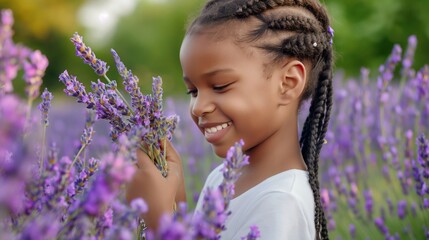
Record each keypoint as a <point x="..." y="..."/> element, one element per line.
<point x="292" y="83"/>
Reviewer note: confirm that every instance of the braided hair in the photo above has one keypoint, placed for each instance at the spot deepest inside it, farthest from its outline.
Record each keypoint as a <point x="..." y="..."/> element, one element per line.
<point x="311" y="40"/>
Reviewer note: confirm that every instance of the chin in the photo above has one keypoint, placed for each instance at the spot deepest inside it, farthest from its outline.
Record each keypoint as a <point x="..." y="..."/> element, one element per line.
<point x="220" y="151"/>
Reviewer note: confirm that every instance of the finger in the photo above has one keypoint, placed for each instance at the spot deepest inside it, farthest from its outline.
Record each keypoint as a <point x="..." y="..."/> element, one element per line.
<point x="172" y="155"/>
<point x="143" y="160"/>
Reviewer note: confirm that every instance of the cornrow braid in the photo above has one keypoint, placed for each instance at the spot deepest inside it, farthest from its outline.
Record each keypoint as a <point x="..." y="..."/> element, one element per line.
<point x="311" y="40"/>
<point x="255" y="7"/>
<point x="292" y="23"/>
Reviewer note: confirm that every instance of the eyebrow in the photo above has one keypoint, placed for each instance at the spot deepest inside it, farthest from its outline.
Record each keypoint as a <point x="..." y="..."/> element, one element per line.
<point x="211" y="73"/>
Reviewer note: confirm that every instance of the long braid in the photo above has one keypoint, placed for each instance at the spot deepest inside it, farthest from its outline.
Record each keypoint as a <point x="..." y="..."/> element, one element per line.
<point x="311" y="41"/>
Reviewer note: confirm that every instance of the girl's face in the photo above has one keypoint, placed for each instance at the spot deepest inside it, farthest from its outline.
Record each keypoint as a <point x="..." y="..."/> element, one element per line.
<point x="231" y="97"/>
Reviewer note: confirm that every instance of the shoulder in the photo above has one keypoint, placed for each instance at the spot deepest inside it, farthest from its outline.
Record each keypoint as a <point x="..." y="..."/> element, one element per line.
<point x="284" y="215"/>
<point x="282" y="207"/>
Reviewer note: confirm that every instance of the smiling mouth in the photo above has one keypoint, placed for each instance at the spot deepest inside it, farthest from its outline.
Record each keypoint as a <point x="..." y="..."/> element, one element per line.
<point x="217" y="128"/>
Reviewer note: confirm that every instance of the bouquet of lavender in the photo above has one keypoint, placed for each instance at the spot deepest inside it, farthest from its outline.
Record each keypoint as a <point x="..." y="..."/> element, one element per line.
<point x="42" y="195"/>
<point x="142" y="120"/>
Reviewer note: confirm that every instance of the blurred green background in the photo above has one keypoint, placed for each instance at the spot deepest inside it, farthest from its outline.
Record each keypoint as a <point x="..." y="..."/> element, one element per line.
<point x="147" y="34"/>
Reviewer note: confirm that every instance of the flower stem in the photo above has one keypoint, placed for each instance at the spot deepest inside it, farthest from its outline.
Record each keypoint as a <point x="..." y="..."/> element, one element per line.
<point x="28" y="115"/>
<point x="42" y="157"/>
<point x="77" y="156"/>
<point x="120" y="94"/>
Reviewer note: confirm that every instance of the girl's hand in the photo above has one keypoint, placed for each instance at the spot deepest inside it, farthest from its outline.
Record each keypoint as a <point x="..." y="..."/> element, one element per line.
<point x="160" y="193"/>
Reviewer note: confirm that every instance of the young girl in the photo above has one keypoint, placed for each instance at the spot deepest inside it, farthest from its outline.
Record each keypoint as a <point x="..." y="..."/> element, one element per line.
<point x="248" y="66"/>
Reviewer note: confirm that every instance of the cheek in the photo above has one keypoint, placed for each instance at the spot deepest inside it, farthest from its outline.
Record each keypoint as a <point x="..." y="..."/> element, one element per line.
<point x="194" y="118"/>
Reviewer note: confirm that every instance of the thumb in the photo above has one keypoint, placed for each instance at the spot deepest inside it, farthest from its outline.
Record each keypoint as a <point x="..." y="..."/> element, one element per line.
<point x="174" y="161"/>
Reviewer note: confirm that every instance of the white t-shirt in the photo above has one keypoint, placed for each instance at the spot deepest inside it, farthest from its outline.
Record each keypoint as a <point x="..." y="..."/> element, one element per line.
<point x="282" y="206"/>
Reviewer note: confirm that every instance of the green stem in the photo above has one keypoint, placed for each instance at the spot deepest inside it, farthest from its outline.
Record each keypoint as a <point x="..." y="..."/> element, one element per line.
<point x="42" y="158"/>
<point x="120" y="94"/>
<point x="27" y="116"/>
<point x="76" y="157"/>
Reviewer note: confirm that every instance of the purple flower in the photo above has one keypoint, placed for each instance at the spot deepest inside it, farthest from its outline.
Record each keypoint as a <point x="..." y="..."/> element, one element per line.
<point x="368" y="202"/>
<point x="331" y="33"/>
<point x="409" y="55"/>
<point x="88" y="56"/>
<point x="211" y="220"/>
<point x="87" y="135"/>
<point x="107" y="219"/>
<point x="423" y="152"/>
<point x="139" y="205"/>
<point x="76" y="89"/>
<point x="352" y="230"/>
<point x="45" y="105"/>
<point x="253" y="234"/>
<point x="45" y="226"/>
<point x="379" y="223"/>
<point x="139" y="101"/>
<point x="6" y="18"/>
<point x="171" y="229"/>
<point x="115" y="172"/>
<point x="157" y="97"/>
<point x="402" y="209"/>
<point x="34" y="70"/>
<point x="387" y="71"/>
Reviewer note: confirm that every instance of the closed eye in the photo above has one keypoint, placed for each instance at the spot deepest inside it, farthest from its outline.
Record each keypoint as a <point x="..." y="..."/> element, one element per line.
<point x="192" y="92"/>
<point x="221" y="87"/>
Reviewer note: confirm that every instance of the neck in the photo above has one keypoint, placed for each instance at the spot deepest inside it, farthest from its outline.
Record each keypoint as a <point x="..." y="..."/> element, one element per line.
<point x="278" y="153"/>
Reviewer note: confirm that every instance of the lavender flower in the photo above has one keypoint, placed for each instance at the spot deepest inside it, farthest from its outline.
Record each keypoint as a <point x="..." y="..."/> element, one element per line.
<point x="88" y="56"/>
<point x="105" y="185"/>
<point x="368" y="203"/>
<point x="139" y="205"/>
<point x="386" y="70"/>
<point x="76" y="89"/>
<point x="423" y="153"/>
<point x="45" y="105"/>
<point x="8" y="52"/>
<point x="234" y="162"/>
<point x="6" y="23"/>
<point x="43" y="227"/>
<point x="216" y="201"/>
<point x="402" y="209"/>
<point x="407" y="62"/>
<point x="379" y="223"/>
<point x="34" y="70"/>
<point x="331" y="33"/>
<point x="253" y="234"/>
<point x="138" y="101"/>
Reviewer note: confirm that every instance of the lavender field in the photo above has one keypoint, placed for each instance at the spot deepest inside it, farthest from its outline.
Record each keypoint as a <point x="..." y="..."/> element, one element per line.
<point x="62" y="176"/>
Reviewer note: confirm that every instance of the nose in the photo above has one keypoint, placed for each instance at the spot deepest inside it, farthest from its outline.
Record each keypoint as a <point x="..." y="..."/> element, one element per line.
<point x="201" y="105"/>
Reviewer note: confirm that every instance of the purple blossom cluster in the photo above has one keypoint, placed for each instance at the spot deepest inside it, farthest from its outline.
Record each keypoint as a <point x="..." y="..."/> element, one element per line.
<point x="14" y="57"/>
<point x="46" y="197"/>
<point x="374" y="165"/>
<point x="143" y="116"/>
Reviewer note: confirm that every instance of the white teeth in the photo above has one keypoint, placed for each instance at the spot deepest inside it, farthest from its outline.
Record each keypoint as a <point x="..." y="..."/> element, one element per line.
<point x="217" y="128"/>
